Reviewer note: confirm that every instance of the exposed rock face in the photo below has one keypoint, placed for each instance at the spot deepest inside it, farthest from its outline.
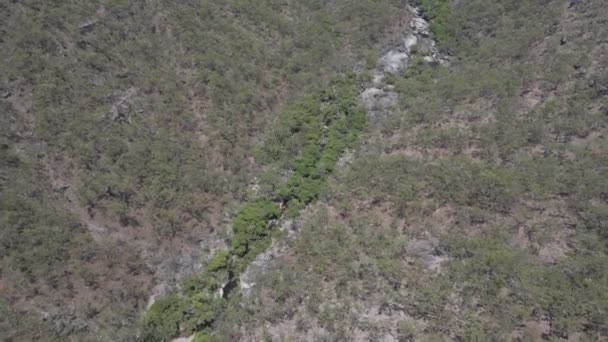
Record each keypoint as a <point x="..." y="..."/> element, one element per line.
<point x="263" y="262"/>
<point x="380" y="98"/>
<point x="378" y="102"/>
<point x="393" y="61"/>
<point x="260" y="265"/>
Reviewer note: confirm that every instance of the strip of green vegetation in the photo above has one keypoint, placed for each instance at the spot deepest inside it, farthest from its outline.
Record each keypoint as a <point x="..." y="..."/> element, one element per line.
<point x="251" y="231"/>
<point x="92" y="85"/>
<point x="307" y="142"/>
<point x="198" y="304"/>
<point x="438" y="12"/>
<point x="315" y="130"/>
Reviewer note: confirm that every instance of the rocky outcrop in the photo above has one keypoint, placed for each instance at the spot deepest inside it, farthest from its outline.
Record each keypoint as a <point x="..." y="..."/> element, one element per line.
<point x="122" y="107"/>
<point x="380" y="97"/>
<point x="263" y="262"/>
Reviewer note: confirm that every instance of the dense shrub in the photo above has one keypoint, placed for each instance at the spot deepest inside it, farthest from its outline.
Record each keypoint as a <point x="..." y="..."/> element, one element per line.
<point x="163" y="319"/>
<point x="438" y="12"/>
<point x="252" y="224"/>
<point x="308" y="140"/>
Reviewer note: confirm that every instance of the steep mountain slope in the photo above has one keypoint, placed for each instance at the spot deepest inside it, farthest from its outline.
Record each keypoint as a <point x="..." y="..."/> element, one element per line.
<point x="204" y="169"/>
<point x="127" y="135"/>
<point x="474" y="209"/>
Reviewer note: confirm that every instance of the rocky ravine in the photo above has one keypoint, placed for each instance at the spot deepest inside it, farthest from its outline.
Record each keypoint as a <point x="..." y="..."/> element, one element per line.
<point x="381" y="97"/>
<point x="378" y="101"/>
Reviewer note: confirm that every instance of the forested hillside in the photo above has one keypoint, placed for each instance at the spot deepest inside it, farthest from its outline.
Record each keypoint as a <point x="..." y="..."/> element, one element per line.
<point x="246" y="170"/>
<point x="128" y="135"/>
<point x="476" y="209"/>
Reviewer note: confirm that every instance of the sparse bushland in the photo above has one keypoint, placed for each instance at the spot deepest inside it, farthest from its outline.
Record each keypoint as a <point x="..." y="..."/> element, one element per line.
<point x="306" y="142"/>
<point x="477" y="210"/>
<point x="438" y="13"/>
<point x="128" y="127"/>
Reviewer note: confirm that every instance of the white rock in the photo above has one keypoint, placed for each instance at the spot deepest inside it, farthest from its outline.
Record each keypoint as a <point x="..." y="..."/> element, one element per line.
<point x="245" y="286"/>
<point x="377" y="77"/>
<point x="420" y="25"/>
<point x="393" y="61"/>
<point x="410" y="41"/>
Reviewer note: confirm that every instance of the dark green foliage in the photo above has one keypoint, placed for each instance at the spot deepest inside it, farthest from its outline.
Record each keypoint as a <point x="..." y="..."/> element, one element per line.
<point x="310" y="137"/>
<point x="163" y="319"/>
<point x="220" y="261"/>
<point x="438" y="12"/>
<point x="195" y="310"/>
<point x="252" y="224"/>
